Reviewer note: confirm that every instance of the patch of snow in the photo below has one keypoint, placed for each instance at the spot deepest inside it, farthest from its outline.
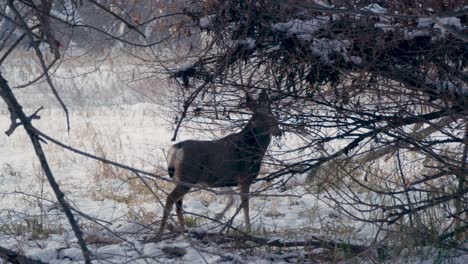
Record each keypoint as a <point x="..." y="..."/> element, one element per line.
<point x="207" y="21"/>
<point x="449" y="21"/>
<point x="385" y="27"/>
<point x="442" y="24"/>
<point x="248" y="43"/>
<point x="417" y="33"/>
<point x="73" y="254"/>
<point x="45" y="255"/>
<point x="112" y="251"/>
<point x="302" y="29"/>
<point x="70" y="16"/>
<point x="356" y="59"/>
<point x="297" y="180"/>
<point x="380" y="11"/>
<point x="196" y="206"/>
<point x="322" y="3"/>
<point x="425" y="22"/>
<point x="324" y="47"/>
<point x="182" y="68"/>
<point x="152" y="250"/>
<point x="375" y="8"/>
<point x="196" y="256"/>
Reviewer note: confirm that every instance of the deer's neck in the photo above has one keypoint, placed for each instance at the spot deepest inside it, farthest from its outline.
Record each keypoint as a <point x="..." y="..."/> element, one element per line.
<point x="257" y="138"/>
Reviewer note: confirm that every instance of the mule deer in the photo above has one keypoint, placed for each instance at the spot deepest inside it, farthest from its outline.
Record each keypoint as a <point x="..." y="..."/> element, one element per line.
<point x="233" y="160"/>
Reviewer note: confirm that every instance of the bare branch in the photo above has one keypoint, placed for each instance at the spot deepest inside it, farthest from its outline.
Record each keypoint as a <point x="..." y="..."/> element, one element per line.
<point x="7" y="95"/>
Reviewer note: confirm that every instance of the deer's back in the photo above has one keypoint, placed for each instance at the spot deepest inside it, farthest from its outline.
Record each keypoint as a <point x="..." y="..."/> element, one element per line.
<point x="218" y="163"/>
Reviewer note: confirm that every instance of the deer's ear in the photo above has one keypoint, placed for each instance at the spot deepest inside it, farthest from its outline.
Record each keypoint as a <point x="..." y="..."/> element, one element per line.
<point x="249" y="101"/>
<point x="263" y="101"/>
<point x="263" y="97"/>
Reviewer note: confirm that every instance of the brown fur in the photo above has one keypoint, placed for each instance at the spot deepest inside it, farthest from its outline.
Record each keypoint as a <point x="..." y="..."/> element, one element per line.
<point x="230" y="161"/>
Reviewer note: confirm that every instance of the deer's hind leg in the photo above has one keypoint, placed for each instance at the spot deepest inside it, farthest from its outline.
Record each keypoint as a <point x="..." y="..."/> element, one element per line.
<point x="175" y="196"/>
<point x="179" y="211"/>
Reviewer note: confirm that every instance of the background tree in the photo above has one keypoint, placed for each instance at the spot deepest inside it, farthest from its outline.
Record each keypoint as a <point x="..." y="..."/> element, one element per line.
<point x="377" y="90"/>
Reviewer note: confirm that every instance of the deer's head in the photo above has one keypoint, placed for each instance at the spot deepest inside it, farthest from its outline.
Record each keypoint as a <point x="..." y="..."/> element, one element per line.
<point x="262" y="115"/>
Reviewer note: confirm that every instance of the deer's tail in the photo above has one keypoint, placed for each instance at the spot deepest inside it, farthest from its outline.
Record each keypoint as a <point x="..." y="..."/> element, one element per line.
<point x="175" y="157"/>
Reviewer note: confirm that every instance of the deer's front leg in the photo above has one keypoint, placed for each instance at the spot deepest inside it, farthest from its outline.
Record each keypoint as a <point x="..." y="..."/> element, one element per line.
<point x="229" y="204"/>
<point x="245" y="195"/>
<point x="180" y="216"/>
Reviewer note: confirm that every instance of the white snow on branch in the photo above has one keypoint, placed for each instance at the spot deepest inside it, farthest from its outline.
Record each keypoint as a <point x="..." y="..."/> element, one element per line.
<point x="355" y="59"/>
<point x="425" y="22"/>
<point x="440" y="22"/>
<point x="302" y="29"/>
<point x="69" y="13"/>
<point x="447" y="24"/>
<point x="417" y="33"/>
<point x="442" y="25"/>
<point x="184" y="67"/>
<point x="323" y="48"/>
<point x="385" y="27"/>
<point x="207" y="21"/>
<point x="322" y="3"/>
<point x="375" y="8"/>
<point x="248" y="43"/>
<point x="449" y="21"/>
<point x="380" y="11"/>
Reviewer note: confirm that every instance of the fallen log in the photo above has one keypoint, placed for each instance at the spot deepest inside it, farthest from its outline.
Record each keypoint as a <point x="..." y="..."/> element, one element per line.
<point x="278" y="242"/>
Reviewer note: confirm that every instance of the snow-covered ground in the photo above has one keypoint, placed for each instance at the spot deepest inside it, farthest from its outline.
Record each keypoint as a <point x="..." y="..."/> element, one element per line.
<point x="31" y="222"/>
<point x="131" y="134"/>
<point x="134" y="127"/>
